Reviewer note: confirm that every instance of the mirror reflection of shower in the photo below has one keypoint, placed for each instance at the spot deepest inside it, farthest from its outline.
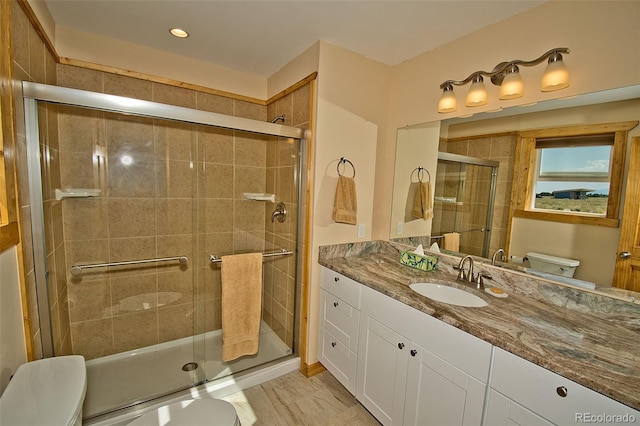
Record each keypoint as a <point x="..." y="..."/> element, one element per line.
<point x="464" y="200"/>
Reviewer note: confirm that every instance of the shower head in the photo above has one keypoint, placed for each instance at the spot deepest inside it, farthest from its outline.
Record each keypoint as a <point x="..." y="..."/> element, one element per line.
<point x="280" y="117"/>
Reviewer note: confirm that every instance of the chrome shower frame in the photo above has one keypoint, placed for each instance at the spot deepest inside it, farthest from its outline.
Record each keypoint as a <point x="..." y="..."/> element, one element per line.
<point x="35" y="92"/>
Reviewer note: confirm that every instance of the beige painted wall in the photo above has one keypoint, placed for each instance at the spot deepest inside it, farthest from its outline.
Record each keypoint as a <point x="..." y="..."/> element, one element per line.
<point x="598" y="33"/>
<point x="12" y="347"/>
<point x="352" y="94"/>
<point x="102" y="50"/>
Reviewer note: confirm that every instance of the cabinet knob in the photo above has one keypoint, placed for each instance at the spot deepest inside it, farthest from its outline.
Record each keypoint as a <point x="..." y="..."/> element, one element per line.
<point x="400" y="345"/>
<point x="336" y="279"/>
<point x="333" y="344"/>
<point x="335" y="304"/>
<point x="413" y="352"/>
<point x="562" y="391"/>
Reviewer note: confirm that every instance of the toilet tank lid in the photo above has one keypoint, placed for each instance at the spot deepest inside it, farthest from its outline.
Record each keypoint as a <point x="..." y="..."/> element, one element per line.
<point x="562" y="261"/>
<point x="45" y="392"/>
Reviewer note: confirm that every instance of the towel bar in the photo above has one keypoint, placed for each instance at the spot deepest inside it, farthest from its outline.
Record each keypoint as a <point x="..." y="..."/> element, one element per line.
<point x="436" y="237"/>
<point x="283" y="252"/>
<point x="77" y="269"/>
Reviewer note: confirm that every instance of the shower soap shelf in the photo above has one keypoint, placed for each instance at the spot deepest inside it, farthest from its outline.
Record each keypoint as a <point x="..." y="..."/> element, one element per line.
<point x="77" y="193"/>
<point x="259" y="196"/>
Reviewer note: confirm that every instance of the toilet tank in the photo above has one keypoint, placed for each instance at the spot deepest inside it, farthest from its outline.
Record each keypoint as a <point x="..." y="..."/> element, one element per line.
<point x="47" y="392"/>
<point x="553" y="264"/>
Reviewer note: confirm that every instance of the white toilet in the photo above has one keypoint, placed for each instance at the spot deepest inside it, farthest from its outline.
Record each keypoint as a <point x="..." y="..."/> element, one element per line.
<point x="191" y="412"/>
<point x="553" y="264"/>
<point x="46" y="392"/>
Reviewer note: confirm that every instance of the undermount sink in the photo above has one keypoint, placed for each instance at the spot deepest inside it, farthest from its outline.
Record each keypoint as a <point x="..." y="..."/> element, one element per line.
<point x="451" y="295"/>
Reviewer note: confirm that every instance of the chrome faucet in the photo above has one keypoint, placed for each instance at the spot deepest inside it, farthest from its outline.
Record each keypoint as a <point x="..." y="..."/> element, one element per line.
<point x="280" y="213"/>
<point x="462" y="275"/>
<point x="469" y="277"/>
<point x="495" y="254"/>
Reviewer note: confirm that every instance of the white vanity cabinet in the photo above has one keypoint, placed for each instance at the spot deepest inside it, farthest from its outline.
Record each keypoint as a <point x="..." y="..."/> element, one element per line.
<point x="416" y="370"/>
<point x="339" y="320"/>
<point x="518" y="385"/>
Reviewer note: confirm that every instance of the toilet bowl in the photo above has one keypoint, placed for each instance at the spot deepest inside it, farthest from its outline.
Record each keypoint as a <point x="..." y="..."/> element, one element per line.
<point x="46" y="392"/>
<point x="553" y="264"/>
<point x="191" y="412"/>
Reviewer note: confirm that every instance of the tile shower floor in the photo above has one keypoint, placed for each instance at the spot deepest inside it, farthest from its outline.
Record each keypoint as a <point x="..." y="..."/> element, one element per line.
<point x="293" y="399"/>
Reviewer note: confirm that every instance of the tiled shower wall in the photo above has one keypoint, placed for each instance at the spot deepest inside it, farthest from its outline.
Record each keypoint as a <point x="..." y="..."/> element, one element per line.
<point x="33" y="62"/>
<point x="501" y="148"/>
<point x="186" y="198"/>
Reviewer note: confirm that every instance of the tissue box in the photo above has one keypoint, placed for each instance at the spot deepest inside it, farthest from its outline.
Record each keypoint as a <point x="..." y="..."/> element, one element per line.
<point x="423" y="263"/>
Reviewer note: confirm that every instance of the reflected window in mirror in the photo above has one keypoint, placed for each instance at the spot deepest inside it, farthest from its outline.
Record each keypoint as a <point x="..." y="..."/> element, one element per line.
<point x="572" y="174"/>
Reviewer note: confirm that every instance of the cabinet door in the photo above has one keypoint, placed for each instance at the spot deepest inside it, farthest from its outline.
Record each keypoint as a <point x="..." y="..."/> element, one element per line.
<point x="501" y="411"/>
<point x="382" y="371"/>
<point x="438" y="393"/>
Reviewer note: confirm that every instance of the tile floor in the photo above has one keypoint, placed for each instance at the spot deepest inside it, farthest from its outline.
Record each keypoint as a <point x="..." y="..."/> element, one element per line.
<point x="293" y="399"/>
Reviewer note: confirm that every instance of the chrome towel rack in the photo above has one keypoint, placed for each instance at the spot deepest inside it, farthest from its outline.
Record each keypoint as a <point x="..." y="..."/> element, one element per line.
<point x="344" y="161"/>
<point x="283" y="252"/>
<point x="77" y="269"/>
<point x="420" y="171"/>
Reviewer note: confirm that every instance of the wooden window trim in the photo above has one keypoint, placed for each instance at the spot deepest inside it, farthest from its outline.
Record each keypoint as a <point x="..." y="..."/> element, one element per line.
<point x="527" y="170"/>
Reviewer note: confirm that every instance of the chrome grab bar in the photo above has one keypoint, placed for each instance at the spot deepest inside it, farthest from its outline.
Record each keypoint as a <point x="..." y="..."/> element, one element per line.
<point x="77" y="269"/>
<point x="283" y="252"/>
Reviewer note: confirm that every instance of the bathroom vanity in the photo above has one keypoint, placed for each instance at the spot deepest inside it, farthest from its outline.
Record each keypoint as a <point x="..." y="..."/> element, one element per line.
<point x="546" y="354"/>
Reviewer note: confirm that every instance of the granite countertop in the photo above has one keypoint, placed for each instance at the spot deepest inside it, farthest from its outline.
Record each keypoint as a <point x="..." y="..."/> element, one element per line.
<point x="591" y="339"/>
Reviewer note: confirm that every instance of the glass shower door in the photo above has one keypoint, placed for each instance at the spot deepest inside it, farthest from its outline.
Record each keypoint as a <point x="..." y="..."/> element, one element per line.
<point x="120" y="214"/>
<point x="464" y="194"/>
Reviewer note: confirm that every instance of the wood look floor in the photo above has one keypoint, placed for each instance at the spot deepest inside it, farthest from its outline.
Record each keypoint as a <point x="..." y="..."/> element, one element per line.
<point x="296" y="400"/>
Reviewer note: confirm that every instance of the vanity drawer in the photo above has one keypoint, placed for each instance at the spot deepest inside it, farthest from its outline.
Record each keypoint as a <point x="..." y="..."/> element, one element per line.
<point x="340" y="319"/>
<point x="541" y="391"/>
<point x="339" y="360"/>
<point x="340" y="286"/>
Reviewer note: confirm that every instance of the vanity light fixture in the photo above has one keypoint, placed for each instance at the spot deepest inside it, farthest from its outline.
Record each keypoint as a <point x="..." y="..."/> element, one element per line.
<point x="179" y="32"/>
<point x="507" y="76"/>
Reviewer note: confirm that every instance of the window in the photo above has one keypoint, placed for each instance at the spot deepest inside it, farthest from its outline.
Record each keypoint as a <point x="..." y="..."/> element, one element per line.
<point x="571" y="174"/>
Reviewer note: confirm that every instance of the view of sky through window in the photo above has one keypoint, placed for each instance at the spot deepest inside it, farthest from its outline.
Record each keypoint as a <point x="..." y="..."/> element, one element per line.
<point x="582" y="166"/>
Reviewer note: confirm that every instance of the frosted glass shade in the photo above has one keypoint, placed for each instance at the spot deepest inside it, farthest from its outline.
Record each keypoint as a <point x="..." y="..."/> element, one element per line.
<point x="512" y="86"/>
<point x="448" y="102"/>
<point x="477" y="94"/>
<point x="555" y="77"/>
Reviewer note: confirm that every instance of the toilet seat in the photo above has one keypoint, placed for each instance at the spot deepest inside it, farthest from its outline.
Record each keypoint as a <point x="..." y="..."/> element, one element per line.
<point x="191" y="412"/>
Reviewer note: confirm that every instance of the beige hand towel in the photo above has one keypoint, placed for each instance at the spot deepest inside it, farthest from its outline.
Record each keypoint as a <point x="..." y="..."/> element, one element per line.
<point x="423" y="204"/>
<point x="241" y="304"/>
<point x="451" y="241"/>
<point x="345" y="204"/>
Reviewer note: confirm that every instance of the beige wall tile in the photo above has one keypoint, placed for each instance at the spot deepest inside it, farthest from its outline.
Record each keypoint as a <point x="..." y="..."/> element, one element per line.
<point x="175" y="179"/>
<point x="134" y="331"/>
<point x="79" y="129"/>
<point x="215" y="145"/>
<point x="248" y="179"/>
<point x="250" y="150"/>
<point x="89" y="300"/>
<point x="174" y="140"/>
<point x="36" y="56"/>
<point x="93" y="339"/>
<point x="85" y="218"/>
<point x="215" y="180"/>
<point x="130" y="87"/>
<point x="250" y="110"/>
<point x="20" y="37"/>
<point x="131" y="217"/>
<point x="79" y="78"/>
<point x="175" y="216"/>
<point x="130" y="294"/>
<point x="214" y="103"/>
<point x="124" y="249"/>
<point x="301" y="102"/>
<point x="173" y="95"/>
<point x="215" y="215"/>
<point x="176" y="321"/>
<point x="179" y="282"/>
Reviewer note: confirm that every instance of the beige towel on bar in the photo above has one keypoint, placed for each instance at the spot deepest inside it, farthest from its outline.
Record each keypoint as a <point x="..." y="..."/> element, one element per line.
<point x="423" y="204"/>
<point x="241" y="304"/>
<point x="345" y="204"/>
<point x="451" y="241"/>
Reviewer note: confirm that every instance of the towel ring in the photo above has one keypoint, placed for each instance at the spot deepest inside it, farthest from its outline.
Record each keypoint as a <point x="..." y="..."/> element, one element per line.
<point x="342" y="161"/>
<point x="420" y="171"/>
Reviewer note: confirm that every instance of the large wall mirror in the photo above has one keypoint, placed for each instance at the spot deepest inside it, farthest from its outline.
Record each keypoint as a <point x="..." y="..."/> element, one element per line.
<point x="475" y="166"/>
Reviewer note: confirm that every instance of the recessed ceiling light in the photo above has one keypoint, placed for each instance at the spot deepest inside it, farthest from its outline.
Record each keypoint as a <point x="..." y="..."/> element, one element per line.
<point x="180" y="33"/>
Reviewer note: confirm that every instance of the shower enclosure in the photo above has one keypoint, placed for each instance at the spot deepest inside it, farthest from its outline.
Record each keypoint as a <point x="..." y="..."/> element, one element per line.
<point x="464" y="197"/>
<point x="129" y="202"/>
